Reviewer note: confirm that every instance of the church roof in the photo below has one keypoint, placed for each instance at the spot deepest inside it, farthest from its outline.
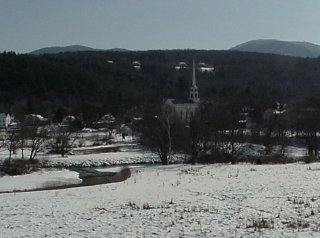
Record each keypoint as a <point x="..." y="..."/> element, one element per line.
<point x="181" y="101"/>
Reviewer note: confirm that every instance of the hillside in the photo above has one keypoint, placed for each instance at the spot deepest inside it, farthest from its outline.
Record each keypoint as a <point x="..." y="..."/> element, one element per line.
<point x="290" y="48"/>
<point x="61" y="49"/>
<point x="70" y="48"/>
<point x="84" y="82"/>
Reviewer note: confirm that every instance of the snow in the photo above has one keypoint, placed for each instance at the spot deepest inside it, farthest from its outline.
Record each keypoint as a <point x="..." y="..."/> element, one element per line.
<point x="103" y="159"/>
<point x="245" y="150"/>
<point x="175" y="201"/>
<point x="39" y="179"/>
<point x="220" y="200"/>
<point x="206" y="69"/>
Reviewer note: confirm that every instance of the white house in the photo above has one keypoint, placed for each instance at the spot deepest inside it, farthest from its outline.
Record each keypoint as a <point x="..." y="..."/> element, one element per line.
<point x="136" y="65"/>
<point x="186" y="108"/>
<point x="181" y="65"/>
<point x="203" y="67"/>
<point x="5" y="120"/>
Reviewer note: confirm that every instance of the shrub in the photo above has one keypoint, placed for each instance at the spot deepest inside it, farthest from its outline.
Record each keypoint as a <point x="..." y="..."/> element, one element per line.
<point x="220" y="157"/>
<point x="297" y="224"/>
<point x="147" y="206"/>
<point x="19" y="166"/>
<point x="309" y="159"/>
<point x="217" y="157"/>
<point x="258" y="224"/>
<point x="270" y="159"/>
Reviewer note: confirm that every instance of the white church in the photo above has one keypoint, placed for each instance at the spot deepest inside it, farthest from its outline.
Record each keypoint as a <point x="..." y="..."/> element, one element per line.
<point x="186" y="108"/>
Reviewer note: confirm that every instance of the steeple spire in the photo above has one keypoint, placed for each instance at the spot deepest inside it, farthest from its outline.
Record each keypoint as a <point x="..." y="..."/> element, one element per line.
<point x="194" y="96"/>
<point x="193" y="75"/>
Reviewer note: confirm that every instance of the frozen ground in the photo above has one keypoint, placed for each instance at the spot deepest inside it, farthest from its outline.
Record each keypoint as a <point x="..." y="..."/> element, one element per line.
<point x="175" y="201"/>
<point x="40" y="179"/>
<point x="128" y="152"/>
<point x="164" y="201"/>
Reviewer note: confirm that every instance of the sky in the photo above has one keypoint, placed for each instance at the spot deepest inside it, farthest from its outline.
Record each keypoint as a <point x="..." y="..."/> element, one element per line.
<point x="27" y="25"/>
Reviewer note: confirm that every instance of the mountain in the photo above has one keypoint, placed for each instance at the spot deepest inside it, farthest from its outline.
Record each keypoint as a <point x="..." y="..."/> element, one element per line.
<point x="61" y="49"/>
<point x="117" y="49"/>
<point x="290" y="48"/>
<point x="70" y="48"/>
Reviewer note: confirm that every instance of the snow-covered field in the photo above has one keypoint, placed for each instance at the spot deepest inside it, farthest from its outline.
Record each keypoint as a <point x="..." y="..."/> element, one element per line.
<point x="127" y="152"/>
<point x="175" y="201"/>
<point x="221" y="200"/>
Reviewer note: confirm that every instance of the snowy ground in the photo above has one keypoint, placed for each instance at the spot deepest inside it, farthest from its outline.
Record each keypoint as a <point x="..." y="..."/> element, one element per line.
<point x="175" y="201"/>
<point x="221" y="200"/>
<point x="40" y="179"/>
<point x="128" y="153"/>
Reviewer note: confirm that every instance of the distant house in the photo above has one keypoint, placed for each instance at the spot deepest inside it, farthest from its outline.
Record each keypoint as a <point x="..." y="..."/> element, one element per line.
<point x="181" y="65"/>
<point x="279" y="112"/>
<point x="136" y="65"/>
<point x="203" y="67"/>
<point x="68" y="120"/>
<point x="186" y="108"/>
<point x="105" y="121"/>
<point x="107" y="118"/>
<point x="201" y="64"/>
<point x="246" y="120"/>
<point x="35" y="120"/>
<point x="281" y="109"/>
<point x="5" y="120"/>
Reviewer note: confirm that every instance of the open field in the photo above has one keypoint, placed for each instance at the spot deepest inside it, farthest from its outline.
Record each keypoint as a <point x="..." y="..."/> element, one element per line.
<point x="175" y="201"/>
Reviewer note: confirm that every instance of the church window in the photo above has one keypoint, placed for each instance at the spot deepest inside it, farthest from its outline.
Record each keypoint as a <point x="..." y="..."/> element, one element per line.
<point x="181" y="115"/>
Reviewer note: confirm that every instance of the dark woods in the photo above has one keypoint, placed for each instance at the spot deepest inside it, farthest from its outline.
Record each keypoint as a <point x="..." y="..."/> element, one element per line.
<point x="92" y="84"/>
<point x="74" y="83"/>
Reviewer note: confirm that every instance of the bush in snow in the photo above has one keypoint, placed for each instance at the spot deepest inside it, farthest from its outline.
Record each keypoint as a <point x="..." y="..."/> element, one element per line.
<point x="218" y="157"/>
<point x="19" y="166"/>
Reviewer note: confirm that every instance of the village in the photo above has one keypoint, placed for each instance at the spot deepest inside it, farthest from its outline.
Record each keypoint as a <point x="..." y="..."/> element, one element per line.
<point x="147" y="119"/>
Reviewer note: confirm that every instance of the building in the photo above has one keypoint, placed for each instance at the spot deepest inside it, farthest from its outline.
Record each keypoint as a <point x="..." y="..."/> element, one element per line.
<point x="136" y="65"/>
<point x="204" y="68"/>
<point x="181" y="65"/>
<point x="35" y="120"/>
<point x="5" y="120"/>
<point x="186" y="108"/>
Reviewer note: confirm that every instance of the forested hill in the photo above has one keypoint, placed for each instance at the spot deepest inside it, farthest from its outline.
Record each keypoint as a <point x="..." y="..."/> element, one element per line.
<point x="85" y="82"/>
<point x="290" y="48"/>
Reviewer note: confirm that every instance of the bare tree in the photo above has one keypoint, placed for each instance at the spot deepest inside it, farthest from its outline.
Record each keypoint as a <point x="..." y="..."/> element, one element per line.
<point x="38" y="139"/>
<point x="310" y="121"/>
<point x="63" y="140"/>
<point x="12" y="142"/>
<point x="200" y="132"/>
<point x="157" y="133"/>
<point x="23" y="141"/>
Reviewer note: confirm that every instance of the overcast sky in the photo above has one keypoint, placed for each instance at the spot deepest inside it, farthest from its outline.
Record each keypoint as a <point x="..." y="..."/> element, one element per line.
<point x="26" y="25"/>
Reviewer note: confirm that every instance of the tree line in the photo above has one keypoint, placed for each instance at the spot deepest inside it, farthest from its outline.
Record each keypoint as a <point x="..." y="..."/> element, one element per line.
<point x="214" y="131"/>
<point x="85" y="83"/>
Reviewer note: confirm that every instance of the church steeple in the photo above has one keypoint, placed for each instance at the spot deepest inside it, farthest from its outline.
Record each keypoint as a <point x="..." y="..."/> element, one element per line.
<point x="194" y="95"/>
